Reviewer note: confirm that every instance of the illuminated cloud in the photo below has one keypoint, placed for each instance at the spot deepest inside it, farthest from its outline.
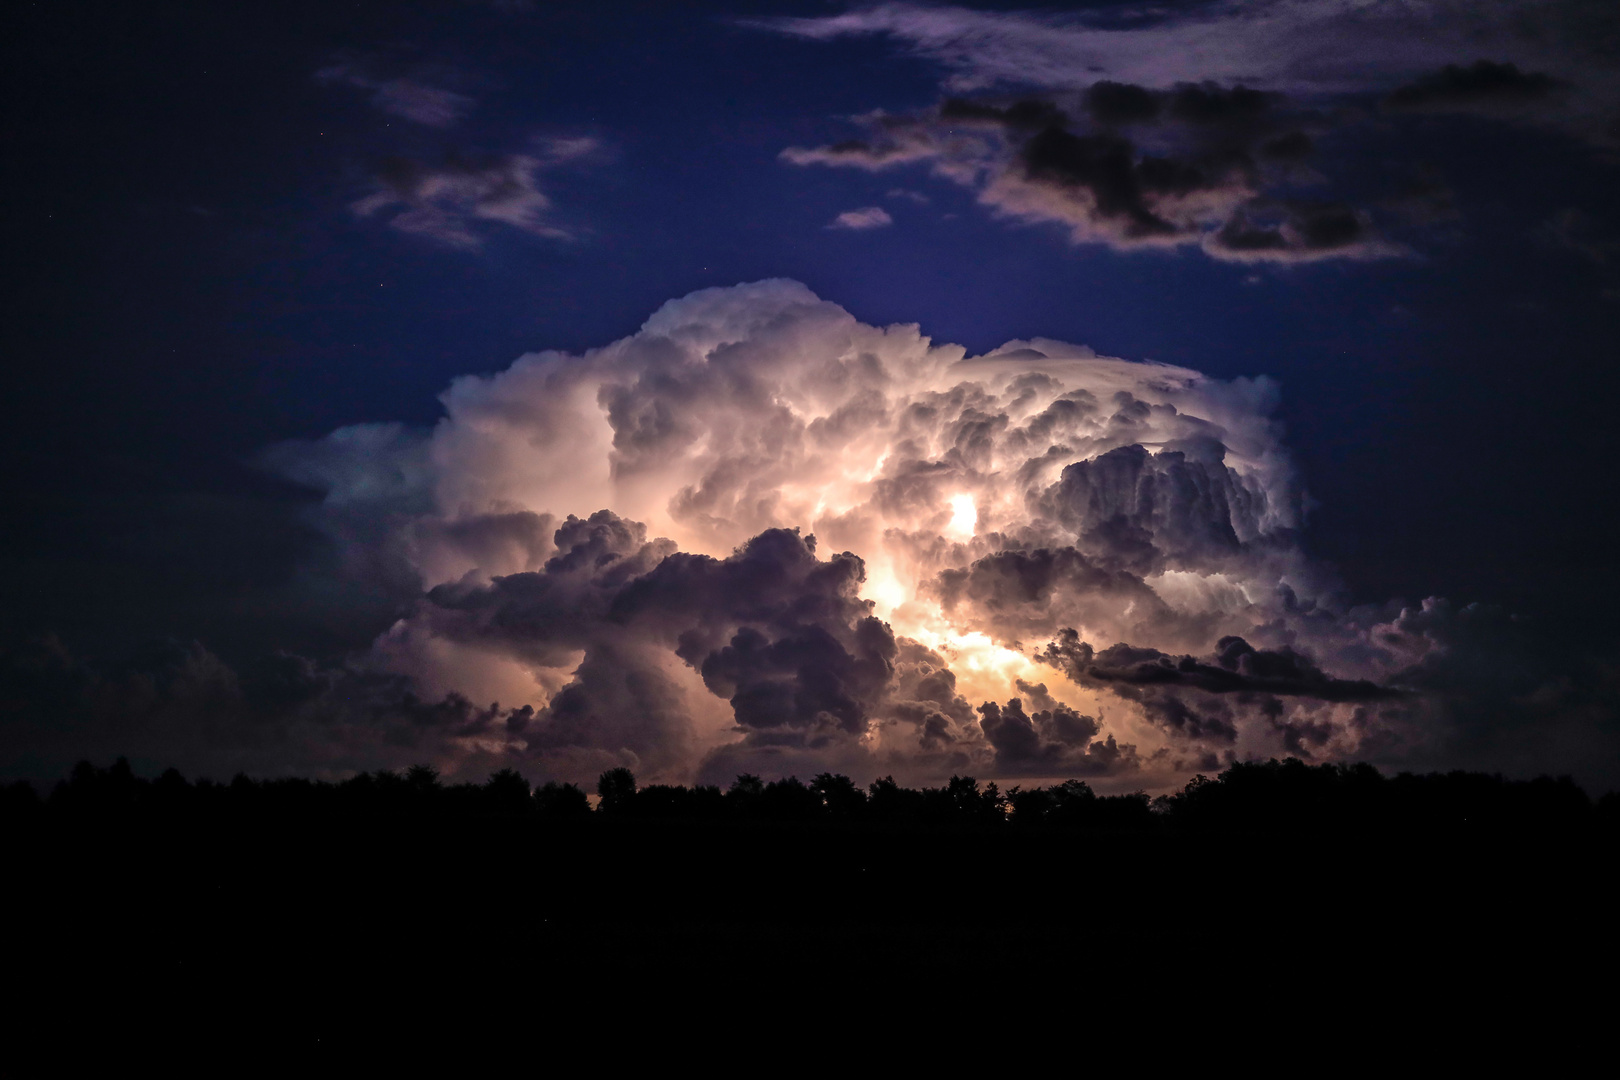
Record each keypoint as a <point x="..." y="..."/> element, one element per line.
<point x="759" y="535"/>
<point x="1130" y="167"/>
<point x="1144" y="129"/>
<point x="867" y="217"/>
<point x="1311" y="47"/>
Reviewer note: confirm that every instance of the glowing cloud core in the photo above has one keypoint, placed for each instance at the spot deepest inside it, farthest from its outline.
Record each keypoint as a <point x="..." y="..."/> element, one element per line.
<point x="759" y="534"/>
<point x="964" y="515"/>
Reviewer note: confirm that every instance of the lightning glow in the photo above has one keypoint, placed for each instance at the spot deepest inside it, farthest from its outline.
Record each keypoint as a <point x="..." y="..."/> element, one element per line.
<point x="992" y="502"/>
<point x="964" y="516"/>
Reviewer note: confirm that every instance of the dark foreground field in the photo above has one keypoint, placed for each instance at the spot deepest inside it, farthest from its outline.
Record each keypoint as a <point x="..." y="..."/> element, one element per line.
<point x="313" y="937"/>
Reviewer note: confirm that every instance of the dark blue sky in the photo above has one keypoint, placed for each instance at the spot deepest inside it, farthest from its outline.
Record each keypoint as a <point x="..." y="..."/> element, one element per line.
<point x="186" y="282"/>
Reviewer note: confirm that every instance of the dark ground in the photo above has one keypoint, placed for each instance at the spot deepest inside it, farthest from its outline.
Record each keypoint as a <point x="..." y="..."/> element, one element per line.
<point x="320" y="944"/>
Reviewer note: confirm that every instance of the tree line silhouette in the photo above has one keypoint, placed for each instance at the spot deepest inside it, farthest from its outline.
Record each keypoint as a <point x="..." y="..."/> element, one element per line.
<point x="287" y="908"/>
<point x="1285" y="795"/>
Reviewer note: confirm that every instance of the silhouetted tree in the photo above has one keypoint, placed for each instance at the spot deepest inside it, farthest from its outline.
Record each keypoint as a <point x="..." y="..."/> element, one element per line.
<point x="617" y="789"/>
<point x="561" y="801"/>
<point x="89" y="790"/>
<point x="1029" y="805"/>
<point x="674" y="802"/>
<point x="1278" y="796"/>
<point x="1073" y="805"/>
<point x="888" y="801"/>
<point x="19" y="800"/>
<point x="1607" y="810"/>
<point x="706" y="801"/>
<point x="839" y="795"/>
<point x="969" y="804"/>
<point x="170" y="789"/>
<point x="661" y="801"/>
<point x="506" y="792"/>
<point x="742" y="798"/>
<point x="1133" y="811"/>
<point x="422" y="780"/>
<point x="789" y="800"/>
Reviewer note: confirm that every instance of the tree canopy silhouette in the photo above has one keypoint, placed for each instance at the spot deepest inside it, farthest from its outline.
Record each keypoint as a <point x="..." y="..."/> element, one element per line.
<point x="1271" y="796"/>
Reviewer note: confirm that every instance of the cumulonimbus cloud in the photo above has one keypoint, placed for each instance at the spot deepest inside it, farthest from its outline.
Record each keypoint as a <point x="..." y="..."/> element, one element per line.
<point x="759" y="535"/>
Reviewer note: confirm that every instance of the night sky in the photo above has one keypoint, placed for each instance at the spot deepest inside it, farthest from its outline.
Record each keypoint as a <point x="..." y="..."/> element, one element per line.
<point x="232" y="231"/>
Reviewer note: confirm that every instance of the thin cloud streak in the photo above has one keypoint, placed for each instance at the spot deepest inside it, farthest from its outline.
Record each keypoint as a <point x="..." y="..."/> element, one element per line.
<point x="1302" y="46"/>
<point x="407" y="98"/>
<point x="447" y="202"/>
<point x="867" y="217"/>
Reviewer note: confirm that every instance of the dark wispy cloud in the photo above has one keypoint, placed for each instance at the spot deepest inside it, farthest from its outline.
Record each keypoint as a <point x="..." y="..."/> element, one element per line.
<point x="1297" y="230"/>
<point x="1576" y="230"/>
<point x="1130" y="167"/>
<point x="1425" y="199"/>
<point x="1206" y="701"/>
<point x="1483" y="86"/>
<point x="410" y="98"/>
<point x="451" y="200"/>
<point x="1312" y="47"/>
<point x="1201" y="127"/>
<point x="1236" y="667"/>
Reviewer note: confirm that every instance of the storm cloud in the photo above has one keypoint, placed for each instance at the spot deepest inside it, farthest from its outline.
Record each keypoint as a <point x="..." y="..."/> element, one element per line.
<point x="1132" y="167"/>
<point x="1482" y="86"/>
<point x="761" y="536"/>
<point x="1164" y="129"/>
<point x="1299" y="47"/>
